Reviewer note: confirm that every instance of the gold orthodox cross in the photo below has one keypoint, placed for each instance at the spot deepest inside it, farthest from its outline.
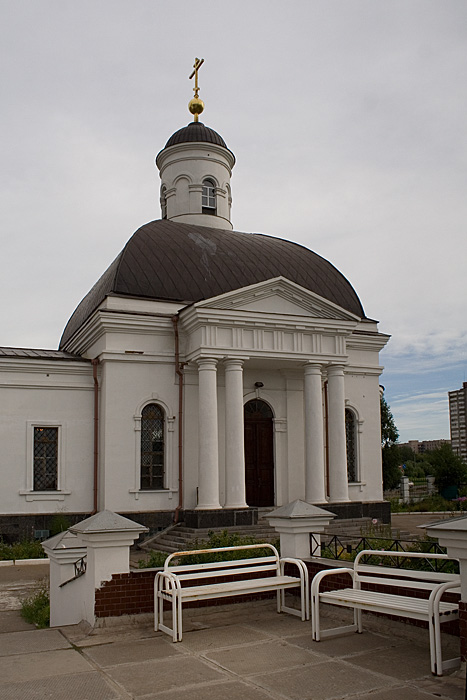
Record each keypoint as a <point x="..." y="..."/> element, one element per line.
<point x="197" y="65"/>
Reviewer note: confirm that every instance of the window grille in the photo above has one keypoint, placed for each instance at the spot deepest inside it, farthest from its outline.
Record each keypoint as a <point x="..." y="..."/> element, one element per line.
<point x="152" y="447"/>
<point x="351" y="444"/>
<point x="45" y="459"/>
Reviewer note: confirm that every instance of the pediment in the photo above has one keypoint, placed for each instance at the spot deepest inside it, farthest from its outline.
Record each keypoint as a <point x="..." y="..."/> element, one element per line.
<point x="278" y="296"/>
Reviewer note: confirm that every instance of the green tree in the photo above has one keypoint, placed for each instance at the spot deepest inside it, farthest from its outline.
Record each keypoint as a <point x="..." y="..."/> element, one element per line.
<point x="390" y="449"/>
<point x="448" y="468"/>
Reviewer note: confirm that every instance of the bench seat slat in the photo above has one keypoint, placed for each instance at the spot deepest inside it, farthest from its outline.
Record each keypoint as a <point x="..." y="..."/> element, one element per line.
<point x="231" y="588"/>
<point x="371" y="599"/>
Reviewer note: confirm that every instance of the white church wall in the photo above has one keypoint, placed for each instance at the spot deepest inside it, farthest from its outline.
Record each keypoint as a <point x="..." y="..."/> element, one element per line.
<point x="128" y="384"/>
<point x="362" y="396"/>
<point x="46" y="394"/>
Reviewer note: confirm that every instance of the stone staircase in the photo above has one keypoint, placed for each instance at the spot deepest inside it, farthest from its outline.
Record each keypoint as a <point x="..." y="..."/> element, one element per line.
<point x="179" y="537"/>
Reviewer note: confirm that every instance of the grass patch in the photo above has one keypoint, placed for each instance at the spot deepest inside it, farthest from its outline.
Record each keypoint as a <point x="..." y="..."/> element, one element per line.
<point x="36" y="608"/>
<point x="27" y="549"/>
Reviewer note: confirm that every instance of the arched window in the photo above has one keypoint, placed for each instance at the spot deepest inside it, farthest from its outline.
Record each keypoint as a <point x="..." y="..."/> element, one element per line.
<point x="163" y="202"/>
<point x="208" y="197"/>
<point x="152" y="447"/>
<point x="351" y="444"/>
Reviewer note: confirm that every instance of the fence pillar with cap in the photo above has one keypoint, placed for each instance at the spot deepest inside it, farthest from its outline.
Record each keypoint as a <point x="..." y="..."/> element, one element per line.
<point x="105" y="538"/>
<point x="295" y="522"/>
<point x="452" y="534"/>
<point x="66" y="553"/>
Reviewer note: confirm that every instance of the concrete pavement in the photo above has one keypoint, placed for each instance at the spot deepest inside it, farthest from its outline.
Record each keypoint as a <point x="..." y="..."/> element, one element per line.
<point x="245" y="651"/>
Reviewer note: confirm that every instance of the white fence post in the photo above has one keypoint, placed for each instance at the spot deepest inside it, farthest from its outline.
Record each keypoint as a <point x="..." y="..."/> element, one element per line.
<point x="294" y="523"/>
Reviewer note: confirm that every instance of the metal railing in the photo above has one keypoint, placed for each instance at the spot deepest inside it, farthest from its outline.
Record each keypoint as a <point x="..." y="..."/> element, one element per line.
<point x="346" y="547"/>
<point x="80" y="570"/>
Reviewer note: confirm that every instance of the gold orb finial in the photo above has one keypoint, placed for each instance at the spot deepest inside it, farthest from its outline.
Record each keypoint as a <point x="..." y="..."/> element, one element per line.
<point x="196" y="105"/>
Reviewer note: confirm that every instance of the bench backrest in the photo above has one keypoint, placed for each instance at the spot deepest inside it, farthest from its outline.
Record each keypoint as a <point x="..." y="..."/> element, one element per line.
<point x="403" y="578"/>
<point x="235" y="567"/>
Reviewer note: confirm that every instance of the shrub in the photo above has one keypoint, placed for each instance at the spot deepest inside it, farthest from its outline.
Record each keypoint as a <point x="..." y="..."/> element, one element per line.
<point x="36" y="608"/>
<point x="27" y="549"/>
<point x="155" y="560"/>
<point x="59" y="523"/>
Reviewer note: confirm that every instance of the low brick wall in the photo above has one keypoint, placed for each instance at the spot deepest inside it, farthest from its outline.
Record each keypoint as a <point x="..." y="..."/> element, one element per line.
<point x="133" y="594"/>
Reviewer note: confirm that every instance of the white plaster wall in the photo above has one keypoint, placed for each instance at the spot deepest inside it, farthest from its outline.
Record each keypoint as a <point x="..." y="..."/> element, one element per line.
<point x="54" y="394"/>
<point x="128" y="384"/>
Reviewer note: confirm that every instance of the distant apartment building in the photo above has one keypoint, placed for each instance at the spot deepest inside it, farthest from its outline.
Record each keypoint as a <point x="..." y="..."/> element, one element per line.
<point x="457" y="420"/>
<point x="420" y="446"/>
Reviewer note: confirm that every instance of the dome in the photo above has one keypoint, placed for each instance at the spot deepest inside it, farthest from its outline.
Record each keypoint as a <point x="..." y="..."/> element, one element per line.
<point x="185" y="263"/>
<point x="196" y="131"/>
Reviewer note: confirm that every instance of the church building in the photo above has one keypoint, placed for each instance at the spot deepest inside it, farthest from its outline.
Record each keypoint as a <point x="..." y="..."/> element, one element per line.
<point x="206" y="374"/>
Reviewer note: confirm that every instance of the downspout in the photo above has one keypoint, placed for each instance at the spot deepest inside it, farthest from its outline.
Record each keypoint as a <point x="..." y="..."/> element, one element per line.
<point x="326" y="430"/>
<point x="95" y="364"/>
<point x="179" y="372"/>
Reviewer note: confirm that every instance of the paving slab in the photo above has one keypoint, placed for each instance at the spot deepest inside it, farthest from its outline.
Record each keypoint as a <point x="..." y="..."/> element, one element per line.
<point x="82" y="686"/>
<point x="14" y="669"/>
<point x="232" y="690"/>
<point x="403" y="692"/>
<point x="141" y="679"/>
<point x="11" y="621"/>
<point x="345" y="647"/>
<point x="330" y="680"/>
<point x="32" y="641"/>
<point x="405" y="661"/>
<point x="127" y="652"/>
<point x="452" y="687"/>
<point x="259" y="658"/>
<point x="219" y="637"/>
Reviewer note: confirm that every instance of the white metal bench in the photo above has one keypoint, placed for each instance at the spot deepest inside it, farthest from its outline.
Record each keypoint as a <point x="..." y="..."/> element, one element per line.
<point x="432" y="609"/>
<point x="182" y="583"/>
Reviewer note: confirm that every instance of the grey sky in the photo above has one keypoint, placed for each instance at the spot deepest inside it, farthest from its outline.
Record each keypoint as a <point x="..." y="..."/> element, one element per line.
<point x="347" y="119"/>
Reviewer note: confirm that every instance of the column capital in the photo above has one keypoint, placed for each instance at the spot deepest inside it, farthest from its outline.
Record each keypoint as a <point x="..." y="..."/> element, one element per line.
<point x="335" y="370"/>
<point x="313" y="368"/>
<point x="207" y="363"/>
<point x="233" y="363"/>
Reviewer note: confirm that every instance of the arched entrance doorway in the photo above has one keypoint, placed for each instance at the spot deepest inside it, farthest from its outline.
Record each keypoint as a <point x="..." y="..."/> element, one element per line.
<point x="259" y="453"/>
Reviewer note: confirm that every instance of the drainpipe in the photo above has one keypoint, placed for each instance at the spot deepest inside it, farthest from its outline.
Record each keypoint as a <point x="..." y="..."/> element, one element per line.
<point x="95" y="364"/>
<point x="179" y="371"/>
<point x="326" y="429"/>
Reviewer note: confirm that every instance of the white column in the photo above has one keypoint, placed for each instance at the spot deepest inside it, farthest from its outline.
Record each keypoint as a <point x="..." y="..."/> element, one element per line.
<point x="208" y="458"/>
<point x="338" y="483"/>
<point x="234" y="436"/>
<point x="315" y="490"/>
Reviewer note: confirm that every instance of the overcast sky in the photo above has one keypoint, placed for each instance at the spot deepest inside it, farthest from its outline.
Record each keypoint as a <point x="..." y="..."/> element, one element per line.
<point x="348" y="122"/>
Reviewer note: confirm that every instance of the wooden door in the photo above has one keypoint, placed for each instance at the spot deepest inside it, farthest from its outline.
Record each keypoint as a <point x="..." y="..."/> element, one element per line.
<point x="259" y="454"/>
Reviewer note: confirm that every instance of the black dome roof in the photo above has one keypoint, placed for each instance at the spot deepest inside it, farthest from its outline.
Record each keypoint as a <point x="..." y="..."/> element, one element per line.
<point x="180" y="262"/>
<point x="196" y="131"/>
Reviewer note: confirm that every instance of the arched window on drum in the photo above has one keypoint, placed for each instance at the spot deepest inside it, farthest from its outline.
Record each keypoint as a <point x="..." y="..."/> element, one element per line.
<point x="208" y="197"/>
<point x="152" y="447"/>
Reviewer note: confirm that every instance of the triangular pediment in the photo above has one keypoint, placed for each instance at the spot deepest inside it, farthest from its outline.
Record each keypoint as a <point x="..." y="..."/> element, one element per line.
<point x="278" y="296"/>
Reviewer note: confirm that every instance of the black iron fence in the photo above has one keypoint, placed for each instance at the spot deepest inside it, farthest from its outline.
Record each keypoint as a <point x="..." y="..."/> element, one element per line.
<point x="346" y="547"/>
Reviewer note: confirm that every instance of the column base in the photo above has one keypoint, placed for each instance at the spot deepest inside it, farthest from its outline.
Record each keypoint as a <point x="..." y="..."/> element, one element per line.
<point x="222" y="517"/>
